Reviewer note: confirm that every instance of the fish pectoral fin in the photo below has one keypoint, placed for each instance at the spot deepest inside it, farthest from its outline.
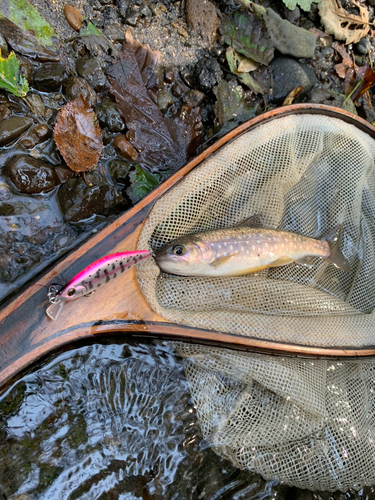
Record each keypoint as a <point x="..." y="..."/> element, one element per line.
<point x="305" y="261"/>
<point x="222" y="260"/>
<point x="281" y="261"/>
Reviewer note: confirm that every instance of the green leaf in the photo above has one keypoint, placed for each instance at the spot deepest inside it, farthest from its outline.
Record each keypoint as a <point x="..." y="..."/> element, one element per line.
<point x="95" y="41"/>
<point x="247" y="34"/>
<point x="233" y="62"/>
<point x="89" y="30"/>
<point x="27" y="31"/>
<point x="290" y="4"/>
<point x="141" y="183"/>
<point x="304" y="4"/>
<point x="10" y="77"/>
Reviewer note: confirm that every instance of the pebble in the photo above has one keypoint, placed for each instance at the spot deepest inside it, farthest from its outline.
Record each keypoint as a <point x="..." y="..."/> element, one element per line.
<point x="108" y="115"/>
<point x="35" y="135"/>
<point x="146" y="11"/>
<point x="4" y="112"/>
<point x="179" y="89"/>
<point x="115" y="33"/>
<point x="194" y="98"/>
<point x="133" y="15"/>
<point x="12" y="127"/>
<point x="168" y="75"/>
<point x="31" y="176"/>
<point x="35" y="103"/>
<point x="75" y="86"/>
<point x="119" y="170"/>
<point x="73" y="17"/>
<point x="165" y="100"/>
<point x="80" y="202"/>
<point x="208" y="73"/>
<point x="91" y="70"/>
<point x="49" y="77"/>
<point x="123" y="148"/>
<point x="362" y="47"/>
<point x="25" y="68"/>
<point x="202" y="18"/>
<point x="288" y="74"/>
<point x="3" y="47"/>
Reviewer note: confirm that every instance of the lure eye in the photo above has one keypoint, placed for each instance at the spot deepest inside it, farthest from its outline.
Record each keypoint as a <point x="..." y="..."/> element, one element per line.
<point x="71" y="292"/>
<point x="178" y="250"/>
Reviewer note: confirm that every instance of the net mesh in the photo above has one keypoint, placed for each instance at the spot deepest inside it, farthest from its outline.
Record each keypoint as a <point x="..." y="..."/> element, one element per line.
<point x="308" y="423"/>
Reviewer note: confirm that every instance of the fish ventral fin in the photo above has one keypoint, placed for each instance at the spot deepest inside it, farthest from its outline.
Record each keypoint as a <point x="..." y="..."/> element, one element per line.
<point x="220" y="261"/>
<point x="333" y="238"/>
<point x="253" y="221"/>
<point x="281" y="261"/>
<point x="305" y="261"/>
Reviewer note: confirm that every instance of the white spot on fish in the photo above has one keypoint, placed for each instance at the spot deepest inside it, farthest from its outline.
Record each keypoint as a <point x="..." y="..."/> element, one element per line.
<point x="242" y="249"/>
<point x="247" y="252"/>
<point x="253" y="247"/>
<point x="219" y="247"/>
<point x="266" y="245"/>
<point x="225" y="244"/>
<point x="231" y="247"/>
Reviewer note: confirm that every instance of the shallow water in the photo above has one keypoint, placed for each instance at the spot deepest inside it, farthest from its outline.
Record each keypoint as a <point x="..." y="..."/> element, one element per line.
<point x="116" y="421"/>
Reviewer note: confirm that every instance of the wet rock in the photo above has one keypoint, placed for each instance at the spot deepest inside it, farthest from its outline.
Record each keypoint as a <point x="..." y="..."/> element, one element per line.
<point x="122" y="6"/>
<point x="91" y="70"/>
<point x="108" y="115"/>
<point x="168" y="75"/>
<point x="49" y="77"/>
<point x="76" y="86"/>
<point x="12" y="127"/>
<point x="36" y="134"/>
<point x="64" y="173"/>
<point x="194" y="98"/>
<point x="26" y="68"/>
<point x="362" y="47"/>
<point x="290" y="15"/>
<point x="208" y="73"/>
<point x="287" y="74"/>
<point x="187" y="75"/>
<point x="4" y="112"/>
<point x="115" y="33"/>
<point x="202" y="18"/>
<point x="3" y="47"/>
<point x="179" y="89"/>
<point x="73" y="16"/>
<point x="133" y="15"/>
<point x="288" y="38"/>
<point x="31" y="176"/>
<point x="165" y="100"/>
<point x="80" y="202"/>
<point x="119" y="170"/>
<point x="123" y="148"/>
<point x="36" y="104"/>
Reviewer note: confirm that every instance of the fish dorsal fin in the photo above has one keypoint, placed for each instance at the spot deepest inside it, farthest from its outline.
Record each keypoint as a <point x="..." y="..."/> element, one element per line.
<point x="305" y="261"/>
<point x="253" y="221"/>
<point x="220" y="261"/>
<point x="281" y="261"/>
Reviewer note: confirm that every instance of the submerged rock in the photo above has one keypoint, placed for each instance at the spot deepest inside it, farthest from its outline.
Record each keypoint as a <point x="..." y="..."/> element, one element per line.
<point x="76" y="86"/>
<point x="49" y="77"/>
<point x="108" y="115"/>
<point x="80" y="202"/>
<point x="30" y="175"/>
<point x="123" y="148"/>
<point x="12" y="127"/>
<point x="38" y="133"/>
<point x="287" y="74"/>
<point x="91" y="70"/>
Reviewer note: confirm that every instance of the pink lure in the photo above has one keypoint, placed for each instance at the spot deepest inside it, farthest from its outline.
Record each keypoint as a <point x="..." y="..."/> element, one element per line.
<point x="91" y="278"/>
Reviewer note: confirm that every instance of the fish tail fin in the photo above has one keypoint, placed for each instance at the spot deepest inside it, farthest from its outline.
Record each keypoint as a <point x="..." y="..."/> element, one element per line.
<point x="333" y="238"/>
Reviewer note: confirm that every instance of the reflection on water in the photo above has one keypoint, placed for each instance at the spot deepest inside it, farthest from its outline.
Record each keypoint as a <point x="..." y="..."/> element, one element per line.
<point x="116" y="422"/>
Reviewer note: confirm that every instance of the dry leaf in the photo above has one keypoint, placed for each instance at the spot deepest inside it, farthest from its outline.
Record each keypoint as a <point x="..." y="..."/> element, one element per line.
<point x="346" y="59"/>
<point x="367" y="76"/>
<point x="350" y="81"/>
<point x="78" y="136"/>
<point x="293" y="94"/>
<point x="247" y="65"/>
<point x="344" y="26"/>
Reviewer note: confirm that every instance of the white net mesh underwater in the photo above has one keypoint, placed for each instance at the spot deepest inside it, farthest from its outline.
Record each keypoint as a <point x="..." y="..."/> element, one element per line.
<point x="309" y="423"/>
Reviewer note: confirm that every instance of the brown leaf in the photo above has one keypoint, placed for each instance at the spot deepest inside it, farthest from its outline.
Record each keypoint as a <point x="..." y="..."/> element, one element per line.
<point x="344" y="26"/>
<point x="368" y="79"/>
<point x="293" y="94"/>
<point x="78" y="136"/>
<point x="163" y="143"/>
<point x="350" y="81"/>
<point x="346" y="59"/>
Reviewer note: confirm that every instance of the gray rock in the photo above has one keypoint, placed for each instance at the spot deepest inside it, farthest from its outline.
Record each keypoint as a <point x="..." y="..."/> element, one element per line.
<point x="31" y="176"/>
<point x="76" y="86"/>
<point x="208" y="73"/>
<point x="202" y="18"/>
<point x="288" y="38"/>
<point x="165" y="100"/>
<point x="362" y="47"/>
<point x="49" y="77"/>
<point x="146" y="11"/>
<point x="80" y="202"/>
<point x="92" y="72"/>
<point x="115" y="33"/>
<point x="108" y="115"/>
<point x="287" y="74"/>
<point x="133" y="16"/>
<point x="12" y="127"/>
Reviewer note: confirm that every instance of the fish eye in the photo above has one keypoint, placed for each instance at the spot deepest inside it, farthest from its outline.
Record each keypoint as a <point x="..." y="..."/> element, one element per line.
<point x="71" y="292"/>
<point x="178" y="250"/>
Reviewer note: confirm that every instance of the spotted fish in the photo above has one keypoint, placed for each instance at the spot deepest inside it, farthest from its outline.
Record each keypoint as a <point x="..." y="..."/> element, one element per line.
<point x="245" y="250"/>
<point x="92" y="277"/>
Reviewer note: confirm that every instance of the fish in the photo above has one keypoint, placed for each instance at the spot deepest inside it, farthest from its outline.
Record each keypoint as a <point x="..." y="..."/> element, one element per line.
<point x="244" y="250"/>
<point x="92" y="277"/>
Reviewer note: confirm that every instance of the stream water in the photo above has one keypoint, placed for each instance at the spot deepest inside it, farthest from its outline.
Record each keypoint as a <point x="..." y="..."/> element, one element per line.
<point x="116" y="421"/>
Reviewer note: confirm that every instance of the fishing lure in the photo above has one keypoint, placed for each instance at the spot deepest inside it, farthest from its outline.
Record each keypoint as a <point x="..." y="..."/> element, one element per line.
<point x="92" y="277"/>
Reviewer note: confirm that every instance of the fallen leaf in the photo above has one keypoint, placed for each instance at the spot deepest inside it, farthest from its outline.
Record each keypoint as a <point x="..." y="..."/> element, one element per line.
<point x="320" y="35"/>
<point x="246" y="65"/>
<point x="27" y="31"/>
<point x="78" y="136"/>
<point x="162" y="143"/>
<point x="304" y="4"/>
<point x="247" y="34"/>
<point x="95" y="41"/>
<point x="141" y="183"/>
<point x="292" y="95"/>
<point x="231" y="107"/>
<point x="350" y="81"/>
<point x="346" y="59"/>
<point x="10" y="77"/>
<point x="234" y="63"/>
<point x="367" y="80"/>
<point x="348" y="105"/>
<point x="339" y="22"/>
